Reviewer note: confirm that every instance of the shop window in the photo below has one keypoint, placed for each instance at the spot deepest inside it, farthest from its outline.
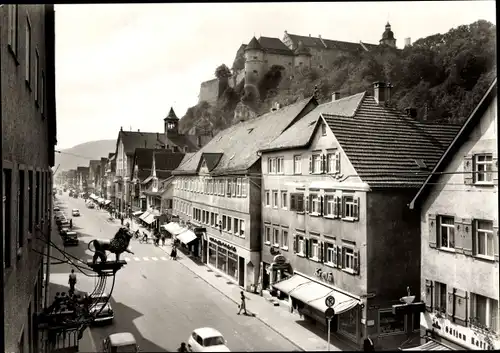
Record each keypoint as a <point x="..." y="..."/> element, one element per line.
<point x="348" y="323"/>
<point x="232" y="264"/>
<point x="389" y="323"/>
<point x="212" y="254"/>
<point x="275" y="199"/>
<point x="221" y="259"/>
<point x="284" y="199"/>
<point x="446" y="238"/>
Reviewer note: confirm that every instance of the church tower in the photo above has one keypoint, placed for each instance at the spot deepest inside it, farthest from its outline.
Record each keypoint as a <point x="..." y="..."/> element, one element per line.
<point x="388" y="37"/>
<point x="171" y="123"/>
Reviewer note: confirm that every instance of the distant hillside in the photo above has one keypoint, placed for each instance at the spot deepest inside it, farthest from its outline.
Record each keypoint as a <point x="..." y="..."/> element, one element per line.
<point x="443" y="76"/>
<point x="80" y="155"/>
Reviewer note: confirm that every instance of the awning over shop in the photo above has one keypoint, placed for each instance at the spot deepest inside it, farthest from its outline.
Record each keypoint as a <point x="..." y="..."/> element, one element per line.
<point x="314" y="294"/>
<point x="186" y="237"/>
<point x="149" y="218"/>
<point x="137" y="213"/>
<point x="144" y="215"/>
<point x="173" y="228"/>
<point x="429" y="346"/>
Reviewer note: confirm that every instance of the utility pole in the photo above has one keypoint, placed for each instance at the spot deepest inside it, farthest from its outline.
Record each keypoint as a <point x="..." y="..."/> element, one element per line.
<point x="2" y="260"/>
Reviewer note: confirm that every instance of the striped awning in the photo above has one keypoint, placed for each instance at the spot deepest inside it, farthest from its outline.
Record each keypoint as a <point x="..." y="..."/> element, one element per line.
<point x="429" y="346"/>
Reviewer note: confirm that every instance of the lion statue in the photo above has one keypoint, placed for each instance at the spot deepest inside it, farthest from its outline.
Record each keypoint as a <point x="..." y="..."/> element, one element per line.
<point x="118" y="245"/>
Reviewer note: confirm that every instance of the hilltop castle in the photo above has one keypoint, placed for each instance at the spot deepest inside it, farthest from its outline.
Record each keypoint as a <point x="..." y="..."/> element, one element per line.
<point x="293" y="53"/>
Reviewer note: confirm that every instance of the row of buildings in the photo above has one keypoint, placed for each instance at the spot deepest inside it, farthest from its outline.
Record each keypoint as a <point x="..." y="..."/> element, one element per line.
<point x="28" y="131"/>
<point x="351" y="198"/>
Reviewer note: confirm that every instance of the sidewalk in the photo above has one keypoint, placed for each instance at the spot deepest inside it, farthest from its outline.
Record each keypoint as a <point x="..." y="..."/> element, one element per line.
<point x="279" y="318"/>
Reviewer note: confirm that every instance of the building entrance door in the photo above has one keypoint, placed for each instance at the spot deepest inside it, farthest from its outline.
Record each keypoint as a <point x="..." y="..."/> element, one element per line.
<point x="241" y="271"/>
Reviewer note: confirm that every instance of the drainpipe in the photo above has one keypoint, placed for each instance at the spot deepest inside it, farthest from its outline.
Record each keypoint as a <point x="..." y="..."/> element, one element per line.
<point x="2" y="299"/>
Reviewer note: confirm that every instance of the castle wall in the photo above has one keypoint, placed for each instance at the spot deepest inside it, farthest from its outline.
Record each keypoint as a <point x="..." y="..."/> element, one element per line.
<point x="209" y="91"/>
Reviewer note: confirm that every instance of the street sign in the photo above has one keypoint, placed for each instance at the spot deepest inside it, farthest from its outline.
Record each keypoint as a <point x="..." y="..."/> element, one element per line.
<point x="330" y="301"/>
<point x="329" y="313"/>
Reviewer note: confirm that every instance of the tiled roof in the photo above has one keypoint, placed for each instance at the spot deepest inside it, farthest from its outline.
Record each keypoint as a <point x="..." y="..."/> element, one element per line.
<point x="300" y="133"/>
<point x="143" y="174"/>
<point x="143" y="158"/>
<point x="382" y="144"/>
<point x="163" y="174"/>
<point x="274" y="46"/>
<point x="466" y="128"/>
<point x="212" y="159"/>
<point x="316" y="42"/>
<point x="166" y="160"/>
<point x="253" y="44"/>
<point x="182" y="141"/>
<point x="136" y="139"/>
<point x="171" y="115"/>
<point x="240" y="143"/>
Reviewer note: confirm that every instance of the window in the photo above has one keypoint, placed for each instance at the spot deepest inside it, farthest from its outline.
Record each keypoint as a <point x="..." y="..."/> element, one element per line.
<point x="224" y="222"/>
<point x="483" y="168"/>
<point x="314" y="249"/>
<point x="280" y="165"/>
<point x="316" y="164"/>
<point x="301" y="248"/>
<point x="234" y="187"/>
<point x="275" y="198"/>
<point x="267" y="233"/>
<point x="484" y="311"/>
<point x="236" y="226"/>
<point x="276" y="237"/>
<point x="244" y="184"/>
<point x="484" y="238"/>
<point x="238" y="187"/>
<point x="35" y="82"/>
<point x="271" y="165"/>
<point x="348" y="258"/>
<point x="331" y="256"/>
<point x="242" y="228"/>
<point x="20" y="211"/>
<point x="323" y="129"/>
<point x="351" y="207"/>
<point x="333" y="163"/>
<point x="13" y="28"/>
<point x="390" y="323"/>
<point x="297" y="165"/>
<point x="212" y="219"/>
<point x="268" y="198"/>
<point x="6" y="226"/>
<point x="446" y="229"/>
<point x="315" y="204"/>
<point x="440" y="297"/>
<point x="284" y="239"/>
<point x="228" y="187"/>
<point x="297" y="202"/>
<point x="330" y="205"/>
<point x="27" y="56"/>
<point x="229" y="224"/>
<point x="284" y="197"/>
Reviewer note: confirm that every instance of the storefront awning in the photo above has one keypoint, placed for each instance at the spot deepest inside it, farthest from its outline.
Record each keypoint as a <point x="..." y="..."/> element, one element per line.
<point x="186" y="237"/>
<point x="144" y="215"/>
<point x="173" y="228"/>
<point x="314" y="294"/>
<point x="429" y="346"/>
<point x="149" y="218"/>
<point x="137" y="213"/>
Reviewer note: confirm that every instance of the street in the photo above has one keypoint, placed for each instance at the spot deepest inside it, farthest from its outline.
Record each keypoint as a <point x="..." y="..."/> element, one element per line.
<point x="157" y="299"/>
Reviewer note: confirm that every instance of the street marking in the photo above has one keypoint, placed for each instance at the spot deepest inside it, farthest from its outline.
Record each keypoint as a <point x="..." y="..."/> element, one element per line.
<point x="163" y="258"/>
<point x="145" y="258"/>
<point x="137" y="259"/>
<point x="127" y="259"/>
<point x="154" y="259"/>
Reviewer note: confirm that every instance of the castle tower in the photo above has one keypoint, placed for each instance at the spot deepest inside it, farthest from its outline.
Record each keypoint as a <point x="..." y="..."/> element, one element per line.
<point x="388" y="37"/>
<point x="171" y="123"/>
<point x="302" y="56"/>
<point x="254" y="65"/>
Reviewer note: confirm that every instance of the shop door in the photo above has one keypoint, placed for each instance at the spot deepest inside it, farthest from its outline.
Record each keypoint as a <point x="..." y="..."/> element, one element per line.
<point x="204" y="251"/>
<point x="241" y="271"/>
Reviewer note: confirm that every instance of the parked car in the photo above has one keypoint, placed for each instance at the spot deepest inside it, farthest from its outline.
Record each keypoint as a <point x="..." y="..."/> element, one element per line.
<point x="56" y="209"/>
<point x="91" y="205"/>
<point x="207" y="339"/>
<point x="120" y="342"/>
<point x="61" y="219"/>
<point x="70" y="237"/>
<point x="102" y="302"/>
<point x="75" y="212"/>
<point x="63" y="224"/>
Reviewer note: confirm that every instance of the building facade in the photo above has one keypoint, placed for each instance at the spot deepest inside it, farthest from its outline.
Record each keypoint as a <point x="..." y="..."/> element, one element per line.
<point x="82" y="177"/>
<point x="459" y="215"/>
<point x="328" y="213"/>
<point x="28" y="120"/>
<point x="220" y="193"/>
<point x="110" y="178"/>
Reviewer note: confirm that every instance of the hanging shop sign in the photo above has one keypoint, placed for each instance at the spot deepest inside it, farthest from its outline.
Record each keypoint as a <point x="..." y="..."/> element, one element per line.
<point x="223" y="244"/>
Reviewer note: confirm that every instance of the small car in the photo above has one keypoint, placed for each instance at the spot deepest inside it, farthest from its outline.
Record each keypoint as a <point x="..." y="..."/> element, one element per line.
<point x="56" y="209"/>
<point x="207" y="339"/>
<point x="69" y="237"/>
<point x="102" y="308"/>
<point x="63" y="224"/>
<point x="120" y="342"/>
<point x="75" y="212"/>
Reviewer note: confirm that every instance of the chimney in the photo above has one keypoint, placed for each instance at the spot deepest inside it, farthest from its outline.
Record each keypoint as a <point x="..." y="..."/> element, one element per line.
<point x="379" y="92"/>
<point x="121" y="128"/>
<point x="407" y="42"/>
<point x="138" y="130"/>
<point x="388" y="92"/>
<point x="411" y="112"/>
<point x="335" y="96"/>
<point x="198" y="141"/>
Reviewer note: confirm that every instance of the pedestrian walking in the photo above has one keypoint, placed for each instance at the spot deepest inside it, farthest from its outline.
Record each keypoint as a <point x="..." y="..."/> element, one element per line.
<point x="243" y="305"/>
<point x="368" y="345"/>
<point x="121" y="218"/>
<point x="163" y="238"/>
<point x="72" y="281"/>
<point x="71" y="223"/>
<point x="173" y="253"/>
<point x="182" y="348"/>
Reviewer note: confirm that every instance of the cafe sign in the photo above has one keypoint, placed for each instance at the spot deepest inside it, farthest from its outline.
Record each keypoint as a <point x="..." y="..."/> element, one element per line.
<point x="223" y="244"/>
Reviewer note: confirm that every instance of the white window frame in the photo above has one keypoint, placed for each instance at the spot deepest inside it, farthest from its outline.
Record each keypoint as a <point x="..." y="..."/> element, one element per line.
<point x="238" y="187"/>
<point x="330" y="254"/>
<point x="348" y="206"/>
<point x="242" y="228"/>
<point x="315" y="201"/>
<point x="267" y="198"/>
<point x="275" y="199"/>
<point x="348" y="258"/>
<point x="267" y="234"/>
<point x="284" y="239"/>
<point x="276" y="237"/>
<point x="483" y="168"/>
<point x="450" y="228"/>
<point x="330" y="205"/>
<point x="486" y="233"/>
<point x="244" y="186"/>
<point x="323" y="129"/>
<point x="297" y="164"/>
<point x="315" y="249"/>
<point x="301" y="246"/>
<point x="271" y="165"/>
<point x="280" y="165"/>
<point x="316" y="163"/>
<point x="284" y="200"/>
<point x="331" y="162"/>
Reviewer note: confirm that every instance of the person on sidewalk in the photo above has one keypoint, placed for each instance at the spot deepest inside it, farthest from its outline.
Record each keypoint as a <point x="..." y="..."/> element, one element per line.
<point x="182" y="348"/>
<point x="72" y="281"/>
<point x="243" y="305"/>
<point x="121" y="218"/>
<point x="368" y="345"/>
<point x="163" y="238"/>
<point x="173" y="253"/>
<point x="71" y="223"/>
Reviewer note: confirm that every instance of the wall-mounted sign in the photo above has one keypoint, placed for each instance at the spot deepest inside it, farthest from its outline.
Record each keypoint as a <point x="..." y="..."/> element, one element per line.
<point x="223" y="244"/>
<point x="325" y="276"/>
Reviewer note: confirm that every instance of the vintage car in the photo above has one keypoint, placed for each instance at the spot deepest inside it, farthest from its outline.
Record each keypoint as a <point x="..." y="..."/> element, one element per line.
<point x="120" y="342"/>
<point x="102" y="309"/>
<point x="70" y="237"/>
<point x="207" y="339"/>
<point x="64" y="223"/>
<point x="75" y="212"/>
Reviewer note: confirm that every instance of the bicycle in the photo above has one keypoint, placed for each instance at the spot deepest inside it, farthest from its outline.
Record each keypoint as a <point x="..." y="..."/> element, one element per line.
<point x="144" y="240"/>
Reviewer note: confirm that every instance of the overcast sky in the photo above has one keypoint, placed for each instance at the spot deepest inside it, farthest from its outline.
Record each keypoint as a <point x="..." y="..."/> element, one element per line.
<point x="126" y="65"/>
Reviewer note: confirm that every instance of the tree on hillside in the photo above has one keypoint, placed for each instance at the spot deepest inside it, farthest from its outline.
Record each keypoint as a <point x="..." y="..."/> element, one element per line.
<point x="222" y="72"/>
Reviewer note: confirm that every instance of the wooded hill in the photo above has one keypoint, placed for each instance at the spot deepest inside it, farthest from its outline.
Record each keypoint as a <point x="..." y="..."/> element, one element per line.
<point x="443" y="76"/>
